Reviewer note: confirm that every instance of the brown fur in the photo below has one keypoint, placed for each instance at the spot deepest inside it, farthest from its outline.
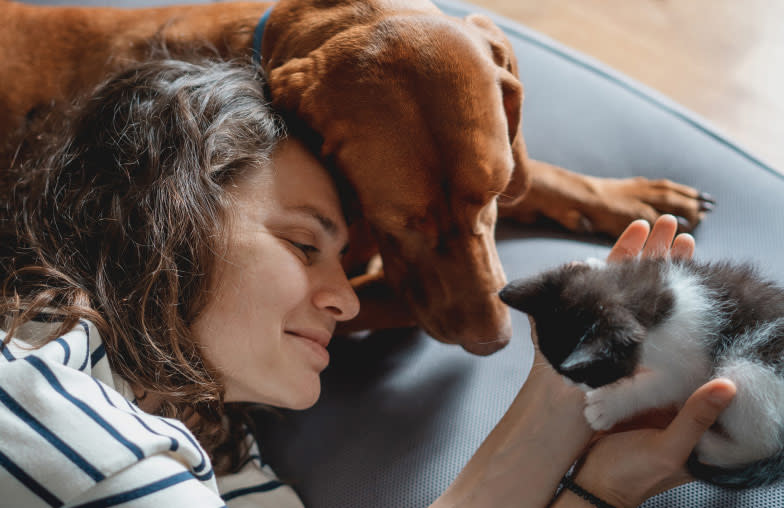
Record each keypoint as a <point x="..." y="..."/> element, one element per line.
<point x="418" y="111"/>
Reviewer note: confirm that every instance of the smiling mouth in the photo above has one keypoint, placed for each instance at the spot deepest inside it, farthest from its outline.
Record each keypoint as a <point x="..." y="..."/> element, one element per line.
<point x="320" y="337"/>
<point x="316" y="341"/>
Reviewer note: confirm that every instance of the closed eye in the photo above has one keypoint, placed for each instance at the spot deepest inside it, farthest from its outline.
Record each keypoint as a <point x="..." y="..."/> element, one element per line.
<point x="308" y="250"/>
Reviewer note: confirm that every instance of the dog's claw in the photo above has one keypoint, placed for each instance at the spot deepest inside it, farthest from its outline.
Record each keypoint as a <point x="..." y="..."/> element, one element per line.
<point x="585" y="226"/>
<point x="706" y="206"/>
<point x="684" y="224"/>
<point x="704" y="196"/>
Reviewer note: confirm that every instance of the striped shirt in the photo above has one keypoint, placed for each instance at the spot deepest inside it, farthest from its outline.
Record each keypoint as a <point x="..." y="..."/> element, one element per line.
<point x="70" y="434"/>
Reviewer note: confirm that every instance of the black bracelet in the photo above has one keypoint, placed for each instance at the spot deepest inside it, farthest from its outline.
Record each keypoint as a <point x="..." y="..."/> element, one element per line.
<point x="568" y="483"/>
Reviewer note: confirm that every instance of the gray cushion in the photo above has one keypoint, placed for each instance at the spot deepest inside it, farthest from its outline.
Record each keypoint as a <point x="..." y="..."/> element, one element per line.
<point x="400" y="413"/>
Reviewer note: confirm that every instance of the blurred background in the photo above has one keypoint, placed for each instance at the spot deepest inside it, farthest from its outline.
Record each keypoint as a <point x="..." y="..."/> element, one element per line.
<point x="723" y="59"/>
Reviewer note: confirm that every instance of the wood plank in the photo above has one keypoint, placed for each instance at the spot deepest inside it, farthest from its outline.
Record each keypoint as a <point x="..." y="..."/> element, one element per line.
<point x="723" y="59"/>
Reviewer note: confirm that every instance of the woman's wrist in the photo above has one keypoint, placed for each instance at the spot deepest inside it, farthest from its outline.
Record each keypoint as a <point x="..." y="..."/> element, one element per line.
<point x="599" y="484"/>
<point x="574" y="493"/>
<point x="580" y="497"/>
<point x="524" y="458"/>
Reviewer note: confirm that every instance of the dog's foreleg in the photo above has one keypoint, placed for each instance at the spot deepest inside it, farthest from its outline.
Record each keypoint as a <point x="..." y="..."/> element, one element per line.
<point x="601" y="205"/>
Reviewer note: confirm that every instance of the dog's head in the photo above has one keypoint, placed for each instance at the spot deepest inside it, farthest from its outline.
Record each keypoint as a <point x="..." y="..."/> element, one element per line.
<point x="420" y="112"/>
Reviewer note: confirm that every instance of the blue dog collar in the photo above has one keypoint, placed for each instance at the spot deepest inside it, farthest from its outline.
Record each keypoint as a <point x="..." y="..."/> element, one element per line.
<point x="258" y="35"/>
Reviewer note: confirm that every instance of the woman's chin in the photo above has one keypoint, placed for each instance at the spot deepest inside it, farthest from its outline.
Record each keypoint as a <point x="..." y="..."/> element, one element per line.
<point x="305" y="402"/>
<point x="304" y="397"/>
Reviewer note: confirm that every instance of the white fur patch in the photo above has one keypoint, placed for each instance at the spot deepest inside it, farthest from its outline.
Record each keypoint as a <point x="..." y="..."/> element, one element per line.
<point x="754" y="420"/>
<point x="678" y="347"/>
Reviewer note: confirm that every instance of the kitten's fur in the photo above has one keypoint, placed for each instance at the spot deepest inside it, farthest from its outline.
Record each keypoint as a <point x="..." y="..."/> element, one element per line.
<point x="643" y="334"/>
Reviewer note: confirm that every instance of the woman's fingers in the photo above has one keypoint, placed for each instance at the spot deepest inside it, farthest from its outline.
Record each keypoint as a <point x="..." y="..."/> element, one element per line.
<point x="697" y="415"/>
<point x="657" y="242"/>
<point x="631" y="241"/>
<point x="683" y="247"/>
<point x="661" y="237"/>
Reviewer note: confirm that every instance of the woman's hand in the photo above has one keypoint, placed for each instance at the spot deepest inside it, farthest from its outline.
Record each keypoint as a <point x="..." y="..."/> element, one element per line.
<point x="626" y="468"/>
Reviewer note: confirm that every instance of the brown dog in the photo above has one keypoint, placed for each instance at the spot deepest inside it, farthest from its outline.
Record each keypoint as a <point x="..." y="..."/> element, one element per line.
<point x="418" y="111"/>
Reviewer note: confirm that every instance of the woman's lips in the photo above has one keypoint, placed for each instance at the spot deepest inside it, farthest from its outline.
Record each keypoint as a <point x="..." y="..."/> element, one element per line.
<point x="319" y="336"/>
<point x="316" y="341"/>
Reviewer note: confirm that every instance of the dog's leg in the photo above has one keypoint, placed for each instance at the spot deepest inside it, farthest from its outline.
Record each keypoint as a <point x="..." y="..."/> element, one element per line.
<point x="602" y="205"/>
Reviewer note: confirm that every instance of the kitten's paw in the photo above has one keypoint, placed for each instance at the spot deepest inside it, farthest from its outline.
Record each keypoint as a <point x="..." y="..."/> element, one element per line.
<point x="599" y="411"/>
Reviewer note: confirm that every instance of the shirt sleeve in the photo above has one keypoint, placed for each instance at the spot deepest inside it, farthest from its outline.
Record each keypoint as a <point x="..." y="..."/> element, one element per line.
<point x="255" y="485"/>
<point x="66" y="435"/>
<point x="155" y="481"/>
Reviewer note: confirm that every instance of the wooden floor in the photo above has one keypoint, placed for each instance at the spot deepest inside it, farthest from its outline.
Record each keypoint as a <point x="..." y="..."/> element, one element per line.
<point x="723" y="59"/>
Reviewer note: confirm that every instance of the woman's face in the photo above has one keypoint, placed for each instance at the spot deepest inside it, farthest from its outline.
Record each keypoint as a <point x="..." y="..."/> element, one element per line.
<point x="280" y="289"/>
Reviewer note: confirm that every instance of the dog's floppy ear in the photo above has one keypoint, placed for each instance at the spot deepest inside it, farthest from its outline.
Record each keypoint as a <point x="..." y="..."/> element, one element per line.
<point x="504" y="58"/>
<point x="293" y="85"/>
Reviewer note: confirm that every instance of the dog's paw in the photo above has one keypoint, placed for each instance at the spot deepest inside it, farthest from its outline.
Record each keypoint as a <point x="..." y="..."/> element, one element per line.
<point x="599" y="412"/>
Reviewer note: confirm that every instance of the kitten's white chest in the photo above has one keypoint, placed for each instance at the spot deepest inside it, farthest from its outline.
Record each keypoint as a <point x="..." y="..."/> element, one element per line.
<point x="678" y="347"/>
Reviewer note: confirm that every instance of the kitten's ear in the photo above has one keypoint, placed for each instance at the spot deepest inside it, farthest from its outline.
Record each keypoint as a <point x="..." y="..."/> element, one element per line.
<point x="583" y="356"/>
<point x="613" y="337"/>
<point x="539" y="292"/>
<point x="525" y="295"/>
<point x="621" y="328"/>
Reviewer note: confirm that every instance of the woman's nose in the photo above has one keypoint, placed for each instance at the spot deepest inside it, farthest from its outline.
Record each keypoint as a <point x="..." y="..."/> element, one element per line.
<point x="337" y="297"/>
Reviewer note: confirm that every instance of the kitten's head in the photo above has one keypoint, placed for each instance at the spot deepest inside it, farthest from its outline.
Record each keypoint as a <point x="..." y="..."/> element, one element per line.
<point x="584" y="329"/>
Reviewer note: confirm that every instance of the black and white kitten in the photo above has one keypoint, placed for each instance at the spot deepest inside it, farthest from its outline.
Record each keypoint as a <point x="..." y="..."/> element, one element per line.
<point x="646" y="333"/>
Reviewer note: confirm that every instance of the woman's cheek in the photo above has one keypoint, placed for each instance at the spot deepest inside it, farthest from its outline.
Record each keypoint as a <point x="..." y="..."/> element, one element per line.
<point x="286" y="282"/>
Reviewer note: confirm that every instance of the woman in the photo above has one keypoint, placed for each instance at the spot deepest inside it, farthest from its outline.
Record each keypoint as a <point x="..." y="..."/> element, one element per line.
<point x="174" y="253"/>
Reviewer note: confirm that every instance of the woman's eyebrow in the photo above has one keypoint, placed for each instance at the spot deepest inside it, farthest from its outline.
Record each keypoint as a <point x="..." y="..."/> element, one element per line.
<point x="325" y="222"/>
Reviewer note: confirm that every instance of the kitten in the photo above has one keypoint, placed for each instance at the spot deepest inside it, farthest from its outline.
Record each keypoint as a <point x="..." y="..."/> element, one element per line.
<point x="646" y="333"/>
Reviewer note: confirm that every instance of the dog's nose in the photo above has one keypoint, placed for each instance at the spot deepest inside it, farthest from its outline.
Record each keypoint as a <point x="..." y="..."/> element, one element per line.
<point x="484" y="348"/>
<point x="478" y="345"/>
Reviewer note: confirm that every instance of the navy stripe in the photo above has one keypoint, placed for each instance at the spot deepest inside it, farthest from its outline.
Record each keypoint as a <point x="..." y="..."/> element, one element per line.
<point x="97" y="355"/>
<point x="174" y="444"/>
<point x="41" y="367"/>
<point x="250" y="458"/>
<point x="7" y="353"/>
<point x="55" y="441"/>
<point x="103" y="392"/>
<point x="87" y="348"/>
<point x="131" y="405"/>
<point x="209" y="474"/>
<point x="264" y="487"/>
<point x="28" y="481"/>
<point x="138" y="492"/>
<point x="66" y="348"/>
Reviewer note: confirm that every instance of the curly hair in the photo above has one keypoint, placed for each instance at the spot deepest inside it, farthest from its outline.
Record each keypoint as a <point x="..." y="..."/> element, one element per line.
<point x="120" y="218"/>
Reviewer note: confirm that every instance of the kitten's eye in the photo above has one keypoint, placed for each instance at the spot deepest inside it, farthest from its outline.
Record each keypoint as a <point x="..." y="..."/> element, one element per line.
<point x="309" y="251"/>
